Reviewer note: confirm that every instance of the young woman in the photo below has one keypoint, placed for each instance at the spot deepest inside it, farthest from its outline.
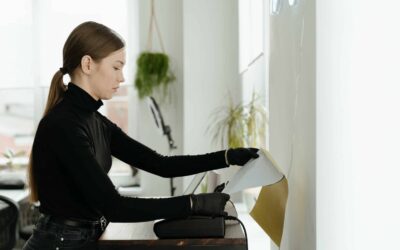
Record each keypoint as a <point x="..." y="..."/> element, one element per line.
<point x="72" y="151"/>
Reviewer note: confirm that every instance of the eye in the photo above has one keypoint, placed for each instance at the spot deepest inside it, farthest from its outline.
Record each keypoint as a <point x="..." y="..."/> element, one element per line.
<point x="116" y="68"/>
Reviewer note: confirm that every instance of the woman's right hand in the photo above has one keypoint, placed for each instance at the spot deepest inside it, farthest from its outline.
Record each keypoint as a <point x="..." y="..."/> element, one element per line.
<point x="209" y="204"/>
<point x="240" y="156"/>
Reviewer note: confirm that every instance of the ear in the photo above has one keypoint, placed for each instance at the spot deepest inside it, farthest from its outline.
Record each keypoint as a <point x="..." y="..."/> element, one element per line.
<point x="87" y="64"/>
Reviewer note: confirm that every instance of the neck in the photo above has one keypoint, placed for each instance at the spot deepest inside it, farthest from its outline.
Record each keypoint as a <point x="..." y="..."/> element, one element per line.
<point x="84" y="84"/>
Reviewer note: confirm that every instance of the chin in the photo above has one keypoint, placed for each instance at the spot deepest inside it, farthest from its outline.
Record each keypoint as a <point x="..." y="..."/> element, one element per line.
<point x="106" y="97"/>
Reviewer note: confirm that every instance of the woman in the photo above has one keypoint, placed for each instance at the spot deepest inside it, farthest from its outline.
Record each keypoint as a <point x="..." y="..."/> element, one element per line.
<point x="72" y="151"/>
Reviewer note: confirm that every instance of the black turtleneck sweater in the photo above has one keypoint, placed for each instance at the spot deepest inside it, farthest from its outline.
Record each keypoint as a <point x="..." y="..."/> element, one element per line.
<point x="72" y="154"/>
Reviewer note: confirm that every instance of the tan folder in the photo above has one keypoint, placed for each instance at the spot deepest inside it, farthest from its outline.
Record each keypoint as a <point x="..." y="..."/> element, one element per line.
<point x="269" y="210"/>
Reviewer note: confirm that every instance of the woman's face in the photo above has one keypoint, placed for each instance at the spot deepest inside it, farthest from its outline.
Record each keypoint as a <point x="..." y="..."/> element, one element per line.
<point x="108" y="75"/>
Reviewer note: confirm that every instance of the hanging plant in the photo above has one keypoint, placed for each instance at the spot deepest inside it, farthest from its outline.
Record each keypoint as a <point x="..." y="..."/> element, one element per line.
<point x="152" y="72"/>
<point x="153" y="68"/>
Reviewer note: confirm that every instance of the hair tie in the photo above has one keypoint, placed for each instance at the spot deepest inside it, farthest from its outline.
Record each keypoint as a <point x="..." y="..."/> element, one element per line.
<point x="63" y="71"/>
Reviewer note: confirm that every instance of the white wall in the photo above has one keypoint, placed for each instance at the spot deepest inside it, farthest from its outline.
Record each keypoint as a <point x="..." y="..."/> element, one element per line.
<point x="292" y="116"/>
<point x="339" y="146"/>
<point x="201" y="38"/>
<point x="357" y="124"/>
<point x="169" y="17"/>
<point x="210" y="67"/>
<point x="334" y="172"/>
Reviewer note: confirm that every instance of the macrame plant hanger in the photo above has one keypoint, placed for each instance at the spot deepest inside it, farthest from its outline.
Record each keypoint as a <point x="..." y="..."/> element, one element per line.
<point x="166" y="129"/>
<point x="153" y="22"/>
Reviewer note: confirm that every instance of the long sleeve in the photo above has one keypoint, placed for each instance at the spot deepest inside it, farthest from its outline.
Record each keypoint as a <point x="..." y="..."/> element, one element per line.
<point x="136" y="154"/>
<point x="72" y="153"/>
<point x="70" y="144"/>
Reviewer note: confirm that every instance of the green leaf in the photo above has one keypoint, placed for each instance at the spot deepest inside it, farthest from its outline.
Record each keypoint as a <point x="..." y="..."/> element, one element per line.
<point x="241" y="125"/>
<point x="152" y="72"/>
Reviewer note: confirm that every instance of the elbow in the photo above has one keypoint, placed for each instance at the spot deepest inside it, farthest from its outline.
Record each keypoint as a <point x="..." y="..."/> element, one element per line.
<point x="162" y="168"/>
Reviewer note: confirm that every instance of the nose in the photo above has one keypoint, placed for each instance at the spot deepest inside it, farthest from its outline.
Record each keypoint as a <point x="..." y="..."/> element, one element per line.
<point x="122" y="78"/>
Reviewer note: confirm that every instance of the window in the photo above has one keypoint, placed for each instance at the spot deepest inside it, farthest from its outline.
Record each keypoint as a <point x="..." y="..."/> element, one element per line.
<point x="251" y="31"/>
<point x="16" y="89"/>
<point x="32" y="37"/>
<point x="253" y="68"/>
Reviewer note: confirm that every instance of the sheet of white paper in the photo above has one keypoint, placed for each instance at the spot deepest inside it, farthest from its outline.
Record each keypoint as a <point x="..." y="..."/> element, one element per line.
<point x="258" y="172"/>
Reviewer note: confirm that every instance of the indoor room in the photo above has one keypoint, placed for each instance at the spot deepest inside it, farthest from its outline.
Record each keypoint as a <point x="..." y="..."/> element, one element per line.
<point x="187" y="124"/>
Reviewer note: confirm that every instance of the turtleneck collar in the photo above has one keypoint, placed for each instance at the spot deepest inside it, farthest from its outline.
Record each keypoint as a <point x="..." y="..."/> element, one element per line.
<point x="81" y="98"/>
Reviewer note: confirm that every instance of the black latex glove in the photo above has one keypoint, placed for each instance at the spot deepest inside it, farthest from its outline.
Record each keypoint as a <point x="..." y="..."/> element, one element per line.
<point x="240" y="156"/>
<point x="209" y="204"/>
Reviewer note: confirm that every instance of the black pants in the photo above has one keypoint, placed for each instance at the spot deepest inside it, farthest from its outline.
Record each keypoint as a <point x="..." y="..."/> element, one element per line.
<point x="56" y="236"/>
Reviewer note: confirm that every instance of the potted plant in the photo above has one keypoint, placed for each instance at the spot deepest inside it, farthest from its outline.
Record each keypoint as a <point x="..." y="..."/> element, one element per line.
<point x="153" y="68"/>
<point x="242" y="125"/>
<point x="152" y="72"/>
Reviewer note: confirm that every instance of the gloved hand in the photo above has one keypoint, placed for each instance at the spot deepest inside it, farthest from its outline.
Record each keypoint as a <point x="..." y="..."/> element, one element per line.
<point x="210" y="204"/>
<point x="240" y="156"/>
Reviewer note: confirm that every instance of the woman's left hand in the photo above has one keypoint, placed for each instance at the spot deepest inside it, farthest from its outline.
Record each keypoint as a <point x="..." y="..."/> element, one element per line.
<point x="240" y="156"/>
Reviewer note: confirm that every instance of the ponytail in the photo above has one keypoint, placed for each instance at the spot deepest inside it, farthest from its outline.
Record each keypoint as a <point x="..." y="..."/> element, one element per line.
<point x="56" y="94"/>
<point x="33" y="192"/>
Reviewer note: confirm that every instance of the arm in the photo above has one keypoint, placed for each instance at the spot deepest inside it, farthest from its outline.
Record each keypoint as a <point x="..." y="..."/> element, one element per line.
<point x="70" y="144"/>
<point x="136" y="154"/>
